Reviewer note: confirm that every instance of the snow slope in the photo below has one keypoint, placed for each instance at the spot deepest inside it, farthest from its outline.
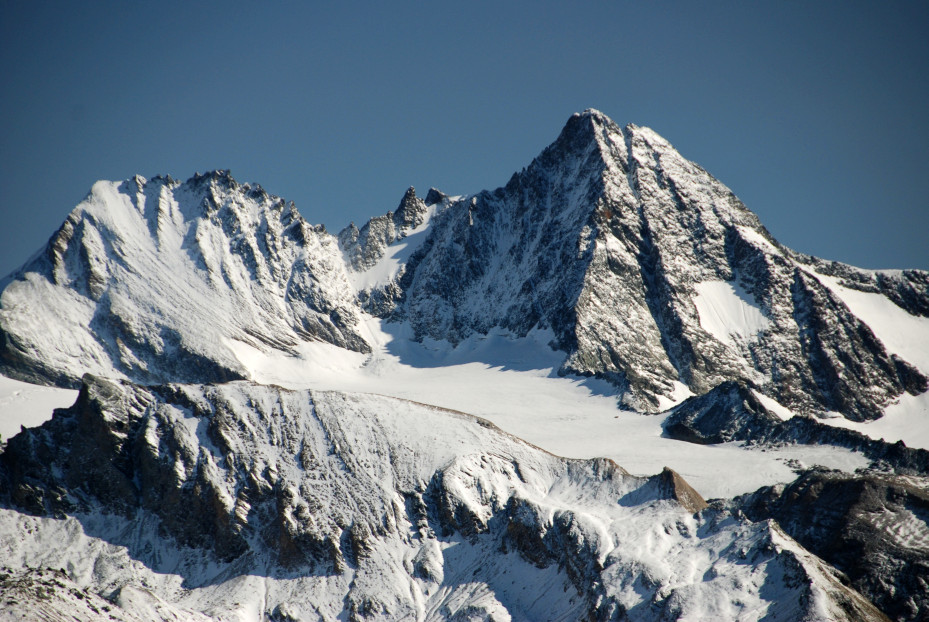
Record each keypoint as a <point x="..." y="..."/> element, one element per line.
<point x="28" y="405"/>
<point x="514" y="383"/>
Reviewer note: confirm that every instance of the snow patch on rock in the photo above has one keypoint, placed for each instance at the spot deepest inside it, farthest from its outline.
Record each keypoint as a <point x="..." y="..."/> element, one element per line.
<point x="728" y="312"/>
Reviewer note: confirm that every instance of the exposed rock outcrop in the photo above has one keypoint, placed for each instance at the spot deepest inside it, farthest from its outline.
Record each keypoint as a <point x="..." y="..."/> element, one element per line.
<point x="872" y="527"/>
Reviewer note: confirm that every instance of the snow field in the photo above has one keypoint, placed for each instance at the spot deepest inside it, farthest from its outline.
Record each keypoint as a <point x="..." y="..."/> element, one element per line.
<point x="29" y="405"/>
<point x="513" y="384"/>
<point x="728" y="312"/>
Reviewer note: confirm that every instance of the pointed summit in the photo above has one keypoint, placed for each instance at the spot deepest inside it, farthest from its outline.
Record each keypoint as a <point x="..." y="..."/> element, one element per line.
<point x="652" y="275"/>
<point x="582" y="137"/>
<point x="411" y="212"/>
<point x="592" y="118"/>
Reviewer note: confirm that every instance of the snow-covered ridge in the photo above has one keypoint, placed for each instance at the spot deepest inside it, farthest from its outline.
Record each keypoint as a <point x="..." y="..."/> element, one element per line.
<point x="146" y="279"/>
<point x="315" y="503"/>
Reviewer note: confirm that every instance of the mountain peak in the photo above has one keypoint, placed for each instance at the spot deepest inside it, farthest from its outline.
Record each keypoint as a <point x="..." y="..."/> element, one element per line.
<point x="627" y="251"/>
<point x="649" y="272"/>
<point x="584" y="130"/>
<point x="595" y="116"/>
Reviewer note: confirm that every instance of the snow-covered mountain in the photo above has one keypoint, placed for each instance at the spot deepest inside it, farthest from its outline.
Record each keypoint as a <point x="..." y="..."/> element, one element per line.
<point x="308" y="504"/>
<point x="271" y="420"/>
<point x="653" y="275"/>
<point x="152" y="280"/>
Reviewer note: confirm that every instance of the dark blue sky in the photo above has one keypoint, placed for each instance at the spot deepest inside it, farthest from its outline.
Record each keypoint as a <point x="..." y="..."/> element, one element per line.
<point x="816" y="114"/>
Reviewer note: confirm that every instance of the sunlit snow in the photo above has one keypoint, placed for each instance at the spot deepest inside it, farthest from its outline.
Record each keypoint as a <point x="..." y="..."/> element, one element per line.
<point x="728" y="312"/>
<point x="29" y="405"/>
<point x="902" y="334"/>
<point x="513" y="383"/>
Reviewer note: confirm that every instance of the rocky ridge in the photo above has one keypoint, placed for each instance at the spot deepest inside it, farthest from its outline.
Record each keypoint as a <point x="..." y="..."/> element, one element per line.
<point x="419" y="505"/>
<point x="620" y="246"/>
<point x="364" y="247"/>
<point x="152" y="281"/>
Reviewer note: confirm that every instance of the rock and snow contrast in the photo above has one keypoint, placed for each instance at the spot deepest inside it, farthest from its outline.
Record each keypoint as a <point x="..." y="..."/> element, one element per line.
<point x="150" y="280"/>
<point x="424" y="418"/>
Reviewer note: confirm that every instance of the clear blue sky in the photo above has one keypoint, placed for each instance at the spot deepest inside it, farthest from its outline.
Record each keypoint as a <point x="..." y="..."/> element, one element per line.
<point x="816" y="114"/>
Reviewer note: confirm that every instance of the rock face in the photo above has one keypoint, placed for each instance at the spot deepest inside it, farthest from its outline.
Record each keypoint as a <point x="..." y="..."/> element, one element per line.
<point x="385" y="509"/>
<point x="733" y="412"/>
<point x="874" y="528"/>
<point x="651" y="274"/>
<point x="366" y="246"/>
<point x="152" y="280"/>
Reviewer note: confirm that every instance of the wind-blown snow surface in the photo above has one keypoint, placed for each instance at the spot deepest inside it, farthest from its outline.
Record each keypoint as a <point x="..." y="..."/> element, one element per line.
<point x="324" y="504"/>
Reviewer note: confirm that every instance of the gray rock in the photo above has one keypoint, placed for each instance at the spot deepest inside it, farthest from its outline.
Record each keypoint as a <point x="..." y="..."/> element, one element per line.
<point x="872" y="527"/>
